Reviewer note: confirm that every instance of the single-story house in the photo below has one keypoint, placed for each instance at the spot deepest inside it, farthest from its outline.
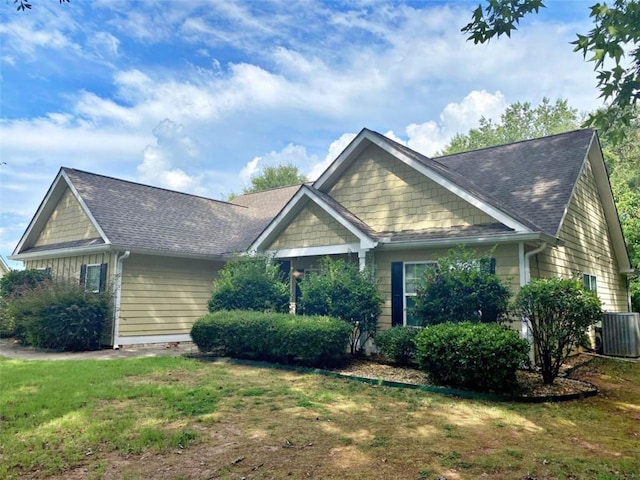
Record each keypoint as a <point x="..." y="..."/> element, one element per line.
<point x="544" y="207"/>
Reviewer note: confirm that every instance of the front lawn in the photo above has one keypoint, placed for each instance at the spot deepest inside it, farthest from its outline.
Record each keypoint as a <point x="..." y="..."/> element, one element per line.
<point x="178" y="418"/>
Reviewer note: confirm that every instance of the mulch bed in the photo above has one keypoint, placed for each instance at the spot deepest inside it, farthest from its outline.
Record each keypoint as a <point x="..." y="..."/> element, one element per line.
<point x="530" y="385"/>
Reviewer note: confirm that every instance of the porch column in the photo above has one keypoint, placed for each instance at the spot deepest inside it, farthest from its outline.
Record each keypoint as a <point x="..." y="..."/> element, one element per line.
<point x="362" y="259"/>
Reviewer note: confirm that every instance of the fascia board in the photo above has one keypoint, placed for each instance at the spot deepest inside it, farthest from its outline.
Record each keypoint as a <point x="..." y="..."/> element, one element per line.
<point x="315" y="251"/>
<point x="479" y="240"/>
<point x="62" y="252"/>
<point x="608" y="204"/>
<point x="85" y="208"/>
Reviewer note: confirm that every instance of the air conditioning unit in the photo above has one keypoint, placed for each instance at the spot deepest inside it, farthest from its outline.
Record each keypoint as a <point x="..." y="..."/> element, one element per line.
<point x="621" y="334"/>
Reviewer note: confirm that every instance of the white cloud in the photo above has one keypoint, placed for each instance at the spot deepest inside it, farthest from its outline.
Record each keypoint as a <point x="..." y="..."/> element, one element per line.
<point x="249" y="170"/>
<point x="335" y="149"/>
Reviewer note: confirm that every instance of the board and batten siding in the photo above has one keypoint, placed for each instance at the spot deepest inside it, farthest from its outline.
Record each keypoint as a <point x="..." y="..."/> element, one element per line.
<point x="68" y="222"/>
<point x="312" y="227"/>
<point x="164" y="295"/>
<point x="68" y="268"/>
<point x="587" y="246"/>
<point x="389" y="195"/>
<point x="507" y="268"/>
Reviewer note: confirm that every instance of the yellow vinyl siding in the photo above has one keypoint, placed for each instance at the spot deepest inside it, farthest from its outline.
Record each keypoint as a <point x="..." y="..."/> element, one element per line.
<point x="390" y="196"/>
<point x="67" y="223"/>
<point x="313" y="227"/>
<point x="507" y="268"/>
<point x="587" y="246"/>
<point x="68" y="268"/>
<point x="164" y="296"/>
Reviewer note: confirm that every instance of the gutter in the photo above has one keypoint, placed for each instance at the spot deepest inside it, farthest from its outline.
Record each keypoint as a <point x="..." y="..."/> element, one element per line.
<point x="525" y="277"/>
<point x="117" y="297"/>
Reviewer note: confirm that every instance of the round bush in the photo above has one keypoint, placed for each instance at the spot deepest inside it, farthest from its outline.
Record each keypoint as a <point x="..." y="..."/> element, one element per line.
<point x="476" y="356"/>
<point x="397" y="344"/>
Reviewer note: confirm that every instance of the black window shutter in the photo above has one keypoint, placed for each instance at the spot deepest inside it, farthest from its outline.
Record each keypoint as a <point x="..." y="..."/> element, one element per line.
<point x="285" y="268"/>
<point x="83" y="274"/>
<point x="103" y="277"/>
<point x="397" y="291"/>
<point x="488" y="265"/>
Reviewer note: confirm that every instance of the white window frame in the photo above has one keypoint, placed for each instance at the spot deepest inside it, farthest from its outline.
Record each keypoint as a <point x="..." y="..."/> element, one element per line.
<point x="406" y="294"/>
<point x="590" y="282"/>
<point x="86" y="276"/>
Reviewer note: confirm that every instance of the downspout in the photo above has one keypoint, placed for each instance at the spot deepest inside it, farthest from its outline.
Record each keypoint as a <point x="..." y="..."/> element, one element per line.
<point x="525" y="277"/>
<point x="117" y="297"/>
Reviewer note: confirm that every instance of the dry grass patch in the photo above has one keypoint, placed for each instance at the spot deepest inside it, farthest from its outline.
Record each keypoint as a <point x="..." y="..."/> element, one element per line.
<point x="182" y="419"/>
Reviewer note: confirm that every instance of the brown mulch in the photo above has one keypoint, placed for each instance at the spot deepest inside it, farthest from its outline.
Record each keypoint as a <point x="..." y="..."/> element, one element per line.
<point x="530" y="383"/>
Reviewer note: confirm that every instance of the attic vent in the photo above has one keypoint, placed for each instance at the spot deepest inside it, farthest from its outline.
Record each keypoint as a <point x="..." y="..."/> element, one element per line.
<point x="621" y="334"/>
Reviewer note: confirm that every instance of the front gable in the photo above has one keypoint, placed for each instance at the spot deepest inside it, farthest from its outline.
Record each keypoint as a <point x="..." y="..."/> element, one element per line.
<point x="67" y="223"/>
<point x="391" y="196"/>
<point x="312" y="227"/>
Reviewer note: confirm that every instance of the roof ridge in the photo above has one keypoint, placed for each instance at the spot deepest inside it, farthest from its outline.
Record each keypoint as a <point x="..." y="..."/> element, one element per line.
<point x="515" y="143"/>
<point x="149" y="186"/>
<point x="273" y="188"/>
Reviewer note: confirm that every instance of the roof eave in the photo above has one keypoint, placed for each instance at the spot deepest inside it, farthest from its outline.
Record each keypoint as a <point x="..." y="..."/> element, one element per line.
<point x="475" y="240"/>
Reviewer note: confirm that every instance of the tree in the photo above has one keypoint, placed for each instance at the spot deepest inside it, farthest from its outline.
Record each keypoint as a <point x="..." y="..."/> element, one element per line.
<point x="558" y="313"/>
<point x="276" y="176"/>
<point x="24" y="5"/>
<point x="623" y="163"/>
<point x="342" y="291"/>
<point x="518" y="122"/>
<point x="615" y="27"/>
<point x="460" y="288"/>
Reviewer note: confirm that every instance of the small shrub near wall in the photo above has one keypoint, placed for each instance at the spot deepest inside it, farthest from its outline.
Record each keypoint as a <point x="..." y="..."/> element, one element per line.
<point x="276" y="337"/>
<point x="483" y="357"/>
<point x="59" y="316"/>
<point x="397" y="344"/>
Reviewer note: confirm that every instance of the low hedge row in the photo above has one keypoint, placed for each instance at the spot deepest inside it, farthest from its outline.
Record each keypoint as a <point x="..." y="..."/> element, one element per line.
<point x="274" y="337"/>
<point x="477" y="356"/>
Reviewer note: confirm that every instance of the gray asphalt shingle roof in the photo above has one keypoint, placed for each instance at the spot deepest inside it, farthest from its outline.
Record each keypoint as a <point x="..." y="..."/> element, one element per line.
<point x="531" y="180"/>
<point x="133" y="215"/>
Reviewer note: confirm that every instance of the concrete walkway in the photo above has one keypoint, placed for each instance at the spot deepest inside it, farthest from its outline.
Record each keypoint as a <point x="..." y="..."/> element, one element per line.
<point x="9" y="349"/>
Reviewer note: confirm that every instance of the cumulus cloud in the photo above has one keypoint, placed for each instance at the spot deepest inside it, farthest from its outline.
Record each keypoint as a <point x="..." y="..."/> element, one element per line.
<point x="335" y="148"/>
<point x="158" y="165"/>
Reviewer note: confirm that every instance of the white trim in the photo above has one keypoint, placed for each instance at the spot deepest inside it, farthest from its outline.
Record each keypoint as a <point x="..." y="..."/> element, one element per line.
<point x="117" y="297"/>
<point x="138" y="339"/>
<point x="63" y="252"/>
<point x="522" y="267"/>
<point x="315" y="251"/>
<point x="86" y="276"/>
<point x="85" y="208"/>
<point x="288" y="213"/>
<point x="426" y="171"/>
<point x="488" y="240"/>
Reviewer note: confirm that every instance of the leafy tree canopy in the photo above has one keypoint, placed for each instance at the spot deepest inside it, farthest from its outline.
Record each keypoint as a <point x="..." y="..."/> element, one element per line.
<point x="520" y="121"/>
<point x="613" y="45"/>
<point x="275" y="176"/>
<point x="23" y="5"/>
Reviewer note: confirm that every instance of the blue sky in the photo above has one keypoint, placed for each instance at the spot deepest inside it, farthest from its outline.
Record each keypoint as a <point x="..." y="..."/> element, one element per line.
<point x="198" y="96"/>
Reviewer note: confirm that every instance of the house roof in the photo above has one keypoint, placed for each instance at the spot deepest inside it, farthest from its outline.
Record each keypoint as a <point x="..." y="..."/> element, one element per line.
<point x="133" y="216"/>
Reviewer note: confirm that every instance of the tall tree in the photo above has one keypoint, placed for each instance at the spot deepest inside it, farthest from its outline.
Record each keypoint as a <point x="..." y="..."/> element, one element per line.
<point x="275" y="176"/>
<point x="623" y="163"/>
<point x="615" y="35"/>
<point x="520" y="121"/>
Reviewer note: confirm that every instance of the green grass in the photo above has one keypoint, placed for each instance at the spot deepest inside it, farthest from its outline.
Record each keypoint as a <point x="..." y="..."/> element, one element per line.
<point x="179" y="418"/>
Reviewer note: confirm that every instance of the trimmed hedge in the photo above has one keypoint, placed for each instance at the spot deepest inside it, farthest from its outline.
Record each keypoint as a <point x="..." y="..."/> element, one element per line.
<point x="476" y="356"/>
<point x="273" y="337"/>
<point x="397" y="344"/>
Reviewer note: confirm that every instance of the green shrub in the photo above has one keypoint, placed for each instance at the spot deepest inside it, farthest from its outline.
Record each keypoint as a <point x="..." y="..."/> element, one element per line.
<point x="250" y="283"/>
<point x="342" y="291"/>
<point x="275" y="337"/>
<point x="397" y="344"/>
<point x="470" y="355"/>
<point x="557" y="313"/>
<point x="460" y="288"/>
<point x="11" y="285"/>
<point x="60" y="316"/>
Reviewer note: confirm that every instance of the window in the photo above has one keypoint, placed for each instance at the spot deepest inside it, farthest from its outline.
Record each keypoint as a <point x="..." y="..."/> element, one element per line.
<point x="413" y="272"/>
<point x="590" y="282"/>
<point x="94" y="277"/>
